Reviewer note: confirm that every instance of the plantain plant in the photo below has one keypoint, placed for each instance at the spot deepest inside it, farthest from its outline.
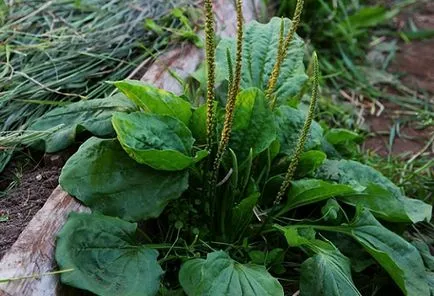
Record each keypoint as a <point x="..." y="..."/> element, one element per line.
<point x="242" y="194"/>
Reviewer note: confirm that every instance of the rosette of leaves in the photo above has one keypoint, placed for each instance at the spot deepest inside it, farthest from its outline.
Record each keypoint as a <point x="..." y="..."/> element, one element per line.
<point x="226" y="197"/>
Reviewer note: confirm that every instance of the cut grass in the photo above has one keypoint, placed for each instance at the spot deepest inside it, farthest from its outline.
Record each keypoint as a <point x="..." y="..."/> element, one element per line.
<point x="59" y="51"/>
<point x="65" y="50"/>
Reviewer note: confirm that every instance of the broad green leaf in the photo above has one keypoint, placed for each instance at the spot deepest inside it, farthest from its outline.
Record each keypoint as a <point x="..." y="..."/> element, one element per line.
<point x="253" y="125"/>
<point x="308" y="191"/>
<point x="271" y="188"/>
<point x="105" y="178"/>
<point x="259" y="55"/>
<point x="218" y="274"/>
<point x="160" y="141"/>
<point x="268" y="258"/>
<point x="344" y="141"/>
<point x="273" y="259"/>
<point x="274" y="149"/>
<point x="104" y="257"/>
<point x="425" y="253"/>
<point x="360" y="259"/>
<point x="198" y="124"/>
<point x="430" y="281"/>
<point x="338" y="136"/>
<point x="327" y="273"/>
<point x="330" y="150"/>
<point x="294" y="238"/>
<point x="384" y="205"/>
<point x="289" y="123"/>
<point x="309" y="162"/>
<point x="93" y="116"/>
<point x="155" y="100"/>
<point x="361" y="177"/>
<point x="242" y="213"/>
<point x="397" y="256"/>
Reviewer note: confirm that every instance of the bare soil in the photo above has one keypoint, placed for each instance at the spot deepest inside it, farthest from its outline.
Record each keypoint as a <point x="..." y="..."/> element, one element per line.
<point x="415" y="63"/>
<point x="22" y="202"/>
<point x="416" y="59"/>
<point x="410" y="137"/>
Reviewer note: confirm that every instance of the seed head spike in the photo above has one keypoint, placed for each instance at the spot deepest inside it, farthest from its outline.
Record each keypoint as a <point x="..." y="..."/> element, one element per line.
<point x="210" y="62"/>
<point x="303" y="135"/>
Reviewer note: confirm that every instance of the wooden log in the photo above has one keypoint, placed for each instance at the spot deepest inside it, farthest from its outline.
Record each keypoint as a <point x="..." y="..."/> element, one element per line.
<point x="33" y="252"/>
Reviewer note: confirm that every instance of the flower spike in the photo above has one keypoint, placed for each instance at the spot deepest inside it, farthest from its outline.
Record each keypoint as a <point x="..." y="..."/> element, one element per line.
<point x="303" y="135"/>
<point x="210" y="61"/>
<point x="231" y="98"/>
<point x="233" y="91"/>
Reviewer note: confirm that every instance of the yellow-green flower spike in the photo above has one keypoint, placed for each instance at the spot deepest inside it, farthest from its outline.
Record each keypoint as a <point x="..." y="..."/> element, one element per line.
<point x="282" y="52"/>
<point x="303" y="135"/>
<point x="232" y="93"/>
<point x="281" y="37"/>
<point x="276" y="69"/>
<point x="307" y="83"/>
<point x="210" y="62"/>
<point x="230" y="70"/>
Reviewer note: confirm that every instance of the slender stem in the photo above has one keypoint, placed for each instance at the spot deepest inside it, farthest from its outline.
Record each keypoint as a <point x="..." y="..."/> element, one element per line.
<point x="304" y="134"/>
<point x="231" y="100"/>
<point x="233" y="92"/>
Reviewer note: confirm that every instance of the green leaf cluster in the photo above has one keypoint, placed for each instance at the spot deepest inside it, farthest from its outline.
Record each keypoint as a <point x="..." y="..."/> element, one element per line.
<point x="158" y="227"/>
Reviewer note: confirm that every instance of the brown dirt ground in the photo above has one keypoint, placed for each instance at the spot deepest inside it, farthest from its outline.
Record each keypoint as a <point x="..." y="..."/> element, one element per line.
<point x="22" y="202"/>
<point x="415" y="61"/>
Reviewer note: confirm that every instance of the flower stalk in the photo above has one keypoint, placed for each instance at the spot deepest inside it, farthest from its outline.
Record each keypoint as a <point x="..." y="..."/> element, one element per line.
<point x="230" y="69"/>
<point x="210" y="62"/>
<point x="232" y="94"/>
<point x="303" y="135"/>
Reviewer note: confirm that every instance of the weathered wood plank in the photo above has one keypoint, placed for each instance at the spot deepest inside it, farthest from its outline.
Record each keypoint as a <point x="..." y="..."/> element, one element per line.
<point x="33" y="252"/>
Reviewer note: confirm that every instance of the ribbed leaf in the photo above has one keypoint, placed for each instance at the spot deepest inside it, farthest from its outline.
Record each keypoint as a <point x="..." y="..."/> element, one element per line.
<point x="253" y="125"/>
<point x="379" y="194"/>
<point x="104" y="257"/>
<point x="106" y="179"/>
<point x="220" y="275"/>
<point x="93" y="116"/>
<point x="155" y="100"/>
<point x="160" y="141"/>
<point x="260" y="46"/>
